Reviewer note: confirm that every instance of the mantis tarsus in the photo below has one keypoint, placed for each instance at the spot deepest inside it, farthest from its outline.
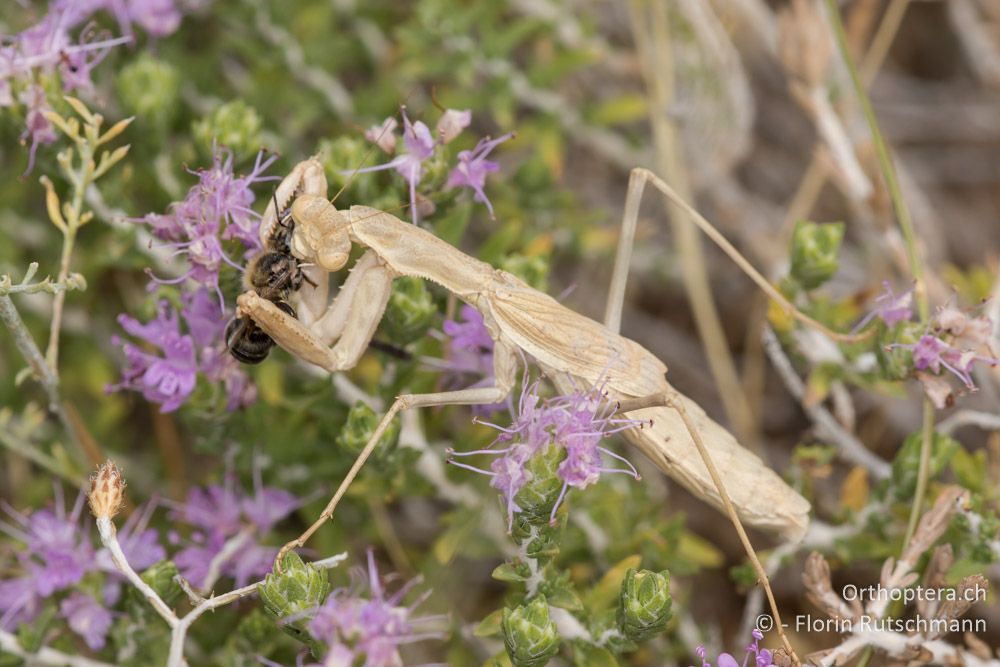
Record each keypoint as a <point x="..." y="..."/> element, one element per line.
<point x="682" y="441"/>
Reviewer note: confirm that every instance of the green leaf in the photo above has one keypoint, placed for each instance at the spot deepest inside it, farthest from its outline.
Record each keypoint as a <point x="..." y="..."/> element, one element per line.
<point x="970" y="468"/>
<point x="490" y="626"/>
<point x="907" y="462"/>
<point x="588" y="655"/>
<point x="620" y="109"/>
<point x="605" y="592"/>
<point x="510" y="572"/>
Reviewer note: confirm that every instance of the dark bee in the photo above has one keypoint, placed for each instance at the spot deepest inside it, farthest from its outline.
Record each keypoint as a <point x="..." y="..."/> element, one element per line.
<point x="274" y="275"/>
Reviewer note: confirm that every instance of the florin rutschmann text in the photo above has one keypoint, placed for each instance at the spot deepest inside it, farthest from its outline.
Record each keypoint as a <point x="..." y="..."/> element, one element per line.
<point x="866" y="623"/>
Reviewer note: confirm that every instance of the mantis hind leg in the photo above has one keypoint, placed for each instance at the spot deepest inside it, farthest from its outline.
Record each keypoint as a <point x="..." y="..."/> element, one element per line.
<point x="504" y="367"/>
<point x="735" y="403"/>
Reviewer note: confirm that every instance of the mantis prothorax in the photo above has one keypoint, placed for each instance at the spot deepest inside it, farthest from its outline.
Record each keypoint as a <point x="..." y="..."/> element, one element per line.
<point x="571" y="349"/>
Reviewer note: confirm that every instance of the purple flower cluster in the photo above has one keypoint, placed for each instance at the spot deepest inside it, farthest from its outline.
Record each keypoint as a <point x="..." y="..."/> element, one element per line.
<point x="420" y="145"/>
<point x="576" y="423"/>
<point x="227" y="524"/>
<point x="890" y="307"/>
<point x="469" y="352"/>
<point x="762" y="656"/>
<point x="374" y="628"/>
<point x="955" y="341"/>
<point x="216" y="209"/>
<point x="58" y="552"/>
<point x="48" y="49"/>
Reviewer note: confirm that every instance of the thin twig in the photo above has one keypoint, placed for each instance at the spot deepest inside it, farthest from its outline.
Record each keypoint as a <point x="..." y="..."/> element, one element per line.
<point x="40" y="369"/>
<point x="179" y="625"/>
<point x="826" y="424"/>
<point x="45" y="655"/>
<point x="228" y="550"/>
<point x="988" y="421"/>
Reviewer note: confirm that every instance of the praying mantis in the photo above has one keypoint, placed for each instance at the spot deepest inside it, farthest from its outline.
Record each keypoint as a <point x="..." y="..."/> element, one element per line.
<point x="570" y="348"/>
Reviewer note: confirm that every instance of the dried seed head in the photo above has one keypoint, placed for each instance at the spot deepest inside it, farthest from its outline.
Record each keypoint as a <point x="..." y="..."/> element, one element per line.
<point x="107" y="490"/>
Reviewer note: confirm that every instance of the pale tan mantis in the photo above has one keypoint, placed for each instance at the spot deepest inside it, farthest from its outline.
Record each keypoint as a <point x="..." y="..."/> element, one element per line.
<point x="571" y="349"/>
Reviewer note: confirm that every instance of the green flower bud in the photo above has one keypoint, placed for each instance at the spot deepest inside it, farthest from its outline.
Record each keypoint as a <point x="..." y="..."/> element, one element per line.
<point x="299" y="587"/>
<point x="644" y="604"/>
<point x="529" y="634"/>
<point x="537" y="498"/>
<point x="235" y="125"/>
<point x="148" y="89"/>
<point x="533" y="269"/>
<point x="410" y="312"/>
<point x="815" y="250"/>
<point x="359" y="428"/>
<point x="160" y="576"/>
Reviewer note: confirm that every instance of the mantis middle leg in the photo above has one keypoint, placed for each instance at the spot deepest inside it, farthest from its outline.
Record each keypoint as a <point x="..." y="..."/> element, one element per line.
<point x="504" y="367"/>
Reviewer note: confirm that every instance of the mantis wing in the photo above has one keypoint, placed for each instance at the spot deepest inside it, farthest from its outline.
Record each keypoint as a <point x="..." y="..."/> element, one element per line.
<point x="568" y="342"/>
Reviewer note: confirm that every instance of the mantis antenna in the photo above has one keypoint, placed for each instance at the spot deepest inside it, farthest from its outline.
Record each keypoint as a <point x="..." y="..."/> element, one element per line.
<point x="368" y="154"/>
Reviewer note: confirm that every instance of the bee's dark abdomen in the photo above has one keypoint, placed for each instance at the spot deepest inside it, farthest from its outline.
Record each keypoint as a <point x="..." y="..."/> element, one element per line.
<point x="247" y="342"/>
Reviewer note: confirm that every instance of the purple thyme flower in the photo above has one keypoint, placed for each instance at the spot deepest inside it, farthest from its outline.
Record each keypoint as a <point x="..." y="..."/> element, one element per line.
<point x="419" y="144"/>
<point x="956" y="341"/>
<point x="576" y="422"/>
<point x="933" y="353"/>
<point x="384" y="135"/>
<point x="47" y="49"/>
<point x="762" y="656"/>
<point x="225" y="514"/>
<point x="58" y="553"/>
<point x="451" y="123"/>
<point x="38" y="129"/>
<point x="159" y="18"/>
<point x="167" y="380"/>
<point x="352" y="626"/>
<point x="170" y="380"/>
<point x="890" y="307"/>
<point x="470" y="352"/>
<point x="216" y="209"/>
<point x="87" y="618"/>
<point x="473" y="168"/>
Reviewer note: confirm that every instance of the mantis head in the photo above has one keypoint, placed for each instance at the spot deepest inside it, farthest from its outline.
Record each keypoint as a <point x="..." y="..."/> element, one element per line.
<point x="321" y="232"/>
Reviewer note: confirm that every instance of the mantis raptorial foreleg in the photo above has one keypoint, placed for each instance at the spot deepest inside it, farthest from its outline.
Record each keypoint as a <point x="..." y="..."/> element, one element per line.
<point x="504" y="368"/>
<point x="350" y="320"/>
